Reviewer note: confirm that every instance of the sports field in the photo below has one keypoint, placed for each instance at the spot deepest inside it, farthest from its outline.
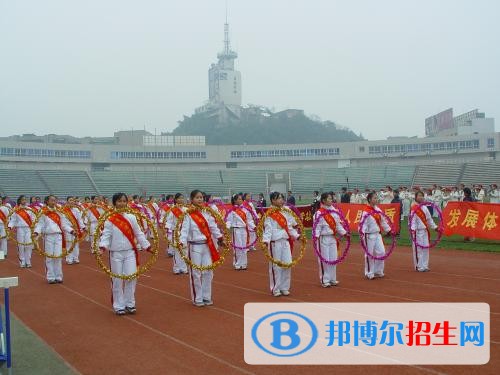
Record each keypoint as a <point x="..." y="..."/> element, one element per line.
<point x="169" y="335"/>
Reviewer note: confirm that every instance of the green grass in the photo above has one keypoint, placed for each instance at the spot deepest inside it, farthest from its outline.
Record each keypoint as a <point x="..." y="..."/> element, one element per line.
<point x="452" y="242"/>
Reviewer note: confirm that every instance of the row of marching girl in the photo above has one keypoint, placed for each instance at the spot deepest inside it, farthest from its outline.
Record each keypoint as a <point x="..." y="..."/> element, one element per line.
<point x="53" y="226"/>
<point x="327" y="228"/>
<point x="278" y="235"/>
<point x="241" y="224"/>
<point x="122" y="237"/>
<point x="373" y="226"/>
<point x="173" y="214"/>
<point x="21" y="221"/>
<point x="198" y="234"/>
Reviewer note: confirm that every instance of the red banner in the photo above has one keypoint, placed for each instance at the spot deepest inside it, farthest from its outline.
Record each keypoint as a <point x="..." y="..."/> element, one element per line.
<point x="353" y="212"/>
<point x="471" y="219"/>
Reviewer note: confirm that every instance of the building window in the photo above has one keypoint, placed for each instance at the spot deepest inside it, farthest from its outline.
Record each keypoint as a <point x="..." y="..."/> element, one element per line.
<point x="491" y="143"/>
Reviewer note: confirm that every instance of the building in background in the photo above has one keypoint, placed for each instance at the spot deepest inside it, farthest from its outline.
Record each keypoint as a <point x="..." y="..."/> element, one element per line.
<point x="444" y="124"/>
<point x="224" y="86"/>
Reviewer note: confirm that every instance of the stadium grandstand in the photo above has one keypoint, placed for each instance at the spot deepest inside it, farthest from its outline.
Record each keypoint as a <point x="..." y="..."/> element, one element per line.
<point x="131" y="162"/>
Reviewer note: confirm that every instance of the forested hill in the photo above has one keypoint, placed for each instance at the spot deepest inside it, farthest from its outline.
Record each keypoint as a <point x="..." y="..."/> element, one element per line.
<point x="271" y="129"/>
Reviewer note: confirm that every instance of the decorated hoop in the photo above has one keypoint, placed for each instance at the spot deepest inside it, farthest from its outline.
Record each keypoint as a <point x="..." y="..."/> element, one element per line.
<point x="256" y="221"/>
<point x="440" y="226"/>
<point x="225" y="233"/>
<point x="344" y="223"/>
<point x="362" y="234"/>
<point x="154" y="248"/>
<point x="10" y="232"/>
<point x="260" y="232"/>
<point x="81" y="235"/>
<point x="34" y="239"/>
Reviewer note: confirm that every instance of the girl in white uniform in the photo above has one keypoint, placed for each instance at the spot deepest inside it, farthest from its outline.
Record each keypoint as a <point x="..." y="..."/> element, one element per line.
<point x="196" y="235"/>
<point x="76" y="215"/>
<point x="53" y="226"/>
<point x="279" y="233"/>
<point x="247" y="202"/>
<point x="121" y="235"/>
<point x="4" y="214"/>
<point x="179" y="266"/>
<point x="373" y="226"/>
<point x="241" y="224"/>
<point x="326" y="229"/>
<point x="419" y="226"/>
<point x="21" y="221"/>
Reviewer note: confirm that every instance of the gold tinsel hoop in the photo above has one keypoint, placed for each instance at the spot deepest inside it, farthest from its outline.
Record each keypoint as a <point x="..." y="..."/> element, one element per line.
<point x="154" y="248"/>
<point x="263" y="246"/>
<point x="10" y="232"/>
<point x="34" y="239"/>
<point x="225" y="233"/>
<point x="80" y="236"/>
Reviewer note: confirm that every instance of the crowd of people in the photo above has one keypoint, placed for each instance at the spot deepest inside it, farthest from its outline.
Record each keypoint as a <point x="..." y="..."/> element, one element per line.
<point x="195" y="244"/>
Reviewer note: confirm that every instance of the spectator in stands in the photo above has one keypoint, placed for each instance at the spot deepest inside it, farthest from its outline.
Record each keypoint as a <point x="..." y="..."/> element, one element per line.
<point x="494" y="194"/>
<point x="262" y="201"/>
<point x="398" y="200"/>
<point x="316" y="202"/>
<point x="468" y="196"/>
<point x="290" y="199"/>
<point x="345" y="197"/>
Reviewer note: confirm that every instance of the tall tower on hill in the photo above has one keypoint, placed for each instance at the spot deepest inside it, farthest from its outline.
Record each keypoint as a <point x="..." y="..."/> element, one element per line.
<point x="224" y="85"/>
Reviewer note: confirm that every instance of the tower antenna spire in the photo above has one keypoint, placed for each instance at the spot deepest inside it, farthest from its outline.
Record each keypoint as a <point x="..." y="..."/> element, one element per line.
<point x="227" y="46"/>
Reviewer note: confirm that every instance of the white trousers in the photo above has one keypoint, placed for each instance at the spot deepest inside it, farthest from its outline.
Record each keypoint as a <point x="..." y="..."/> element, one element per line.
<point x="328" y="249"/>
<point x="421" y="255"/>
<point x="74" y="256"/>
<point x="123" y="262"/>
<point x="53" y="246"/>
<point x="170" y="248"/>
<point x="178" y="264"/>
<point x="279" y="278"/>
<point x="24" y="251"/>
<point x="240" y="258"/>
<point x="253" y="237"/>
<point x="406" y="208"/>
<point x="3" y="241"/>
<point x="375" y="246"/>
<point x="200" y="282"/>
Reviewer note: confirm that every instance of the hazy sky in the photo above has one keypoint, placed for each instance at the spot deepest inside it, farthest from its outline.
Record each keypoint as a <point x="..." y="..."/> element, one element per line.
<point x="91" y="67"/>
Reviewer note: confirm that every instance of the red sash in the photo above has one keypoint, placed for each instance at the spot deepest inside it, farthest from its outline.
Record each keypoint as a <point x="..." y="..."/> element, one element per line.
<point x="242" y="214"/>
<point x="95" y="211"/>
<point x="330" y="220"/>
<point x="283" y="223"/>
<point x="376" y="216"/>
<point x="54" y="216"/>
<point x="420" y="213"/>
<point x="122" y="223"/>
<point x="202" y="223"/>
<point x="68" y="210"/>
<point x="176" y="211"/>
<point x="3" y="217"/>
<point x="23" y="214"/>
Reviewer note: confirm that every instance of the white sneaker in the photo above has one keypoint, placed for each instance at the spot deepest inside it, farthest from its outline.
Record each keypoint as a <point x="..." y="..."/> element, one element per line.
<point x="379" y="275"/>
<point x="277" y="293"/>
<point x="326" y="285"/>
<point x="199" y="304"/>
<point x="285" y="292"/>
<point x="370" y="276"/>
<point x="334" y="283"/>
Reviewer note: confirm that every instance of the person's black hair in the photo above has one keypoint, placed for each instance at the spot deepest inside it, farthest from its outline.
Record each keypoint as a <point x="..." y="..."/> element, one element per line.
<point x="168" y="197"/>
<point x="206" y="197"/>
<point x="68" y="197"/>
<point x="344" y="189"/>
<point x="419" y="192"/>
<point x="92" y="197"/>
<point x="194" y="193"/>
<point x="275" y="195"/>
<point x="467" y="192"/>
<point x="234" y="198"/>
<point x="244" y="195"/>
<point x="118" y="196"/>
<point x="324" y="197"/>
<point x="46" y="199"/>
<point x="135" y="196"/>
<point x="315" y="192"/>
<point x="369" y="196"/>
<point x="177" y="196"/>
<point x="19" y="199"/>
